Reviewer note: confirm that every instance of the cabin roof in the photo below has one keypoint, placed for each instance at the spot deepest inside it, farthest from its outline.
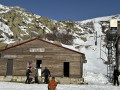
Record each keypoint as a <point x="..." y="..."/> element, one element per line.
<point x="43" y="41"/>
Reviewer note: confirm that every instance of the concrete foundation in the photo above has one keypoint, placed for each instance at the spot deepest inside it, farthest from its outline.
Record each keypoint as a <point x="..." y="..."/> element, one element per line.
<point x="59" y="80"/>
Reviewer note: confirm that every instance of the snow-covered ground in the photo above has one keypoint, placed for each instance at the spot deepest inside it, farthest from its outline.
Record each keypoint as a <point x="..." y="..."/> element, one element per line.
<point x="22" y="86"/>
<point x="95" y="82"/>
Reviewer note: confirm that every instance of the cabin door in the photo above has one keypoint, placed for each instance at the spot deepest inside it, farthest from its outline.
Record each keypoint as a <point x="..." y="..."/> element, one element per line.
<point x="9" y="67"/>
<point x="39" y="66"/>
<point x="66" y="69"/>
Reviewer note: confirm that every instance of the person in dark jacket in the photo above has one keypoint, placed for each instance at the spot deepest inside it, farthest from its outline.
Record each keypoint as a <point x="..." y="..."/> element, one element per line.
<point x="116" y="74"/>
<point x="46" y="75"/>
<point x="28" y="72"/>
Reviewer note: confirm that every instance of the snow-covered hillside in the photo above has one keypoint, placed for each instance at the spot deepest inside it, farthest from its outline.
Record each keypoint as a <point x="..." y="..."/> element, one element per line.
<point x="95" y="63"/>
<point x="96" y="55"/>
<point x="16" y="24"/>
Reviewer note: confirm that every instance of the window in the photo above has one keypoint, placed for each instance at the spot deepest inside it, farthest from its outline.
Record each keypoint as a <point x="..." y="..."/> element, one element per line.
<point x="39" y="63"/>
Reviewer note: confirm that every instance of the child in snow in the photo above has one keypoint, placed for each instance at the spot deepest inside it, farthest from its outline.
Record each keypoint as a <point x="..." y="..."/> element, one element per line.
<point x="52" y="84"/>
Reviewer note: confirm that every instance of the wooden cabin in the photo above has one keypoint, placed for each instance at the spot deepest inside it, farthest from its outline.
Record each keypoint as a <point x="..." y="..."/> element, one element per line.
<point x="61" y="61"/>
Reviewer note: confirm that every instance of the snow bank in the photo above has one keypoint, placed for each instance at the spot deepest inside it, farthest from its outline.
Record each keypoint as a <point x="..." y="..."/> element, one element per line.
<point x="92" y="78"/>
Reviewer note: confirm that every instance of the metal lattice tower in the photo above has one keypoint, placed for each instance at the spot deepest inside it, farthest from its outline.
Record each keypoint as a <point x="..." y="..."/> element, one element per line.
<point x="112" y="37"/>
<point x="111" y="59"/>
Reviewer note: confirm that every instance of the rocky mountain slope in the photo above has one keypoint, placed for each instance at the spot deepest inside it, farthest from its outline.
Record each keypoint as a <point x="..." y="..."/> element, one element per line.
<point x="18" y="25"/>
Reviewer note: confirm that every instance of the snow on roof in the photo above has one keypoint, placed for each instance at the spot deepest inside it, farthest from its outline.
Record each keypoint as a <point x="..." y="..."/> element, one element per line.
<point x="43" y="41"/>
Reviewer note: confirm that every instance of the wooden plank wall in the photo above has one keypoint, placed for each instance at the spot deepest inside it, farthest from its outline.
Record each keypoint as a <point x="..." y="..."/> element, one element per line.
<point x="53" y="57"/>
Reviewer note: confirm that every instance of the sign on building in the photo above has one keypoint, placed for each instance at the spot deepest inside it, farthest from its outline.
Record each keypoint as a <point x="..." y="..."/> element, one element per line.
<point x="37" y="49"/>
<point x="39" y="72"/>
<point x="9" y="56"/>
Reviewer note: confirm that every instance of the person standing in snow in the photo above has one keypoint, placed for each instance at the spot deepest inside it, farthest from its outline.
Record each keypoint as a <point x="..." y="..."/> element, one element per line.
<point x="52" y="84"/>
<point x="46" y="75"/>
<point x="116" y="74"/>
<point x="28" y="72"/>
